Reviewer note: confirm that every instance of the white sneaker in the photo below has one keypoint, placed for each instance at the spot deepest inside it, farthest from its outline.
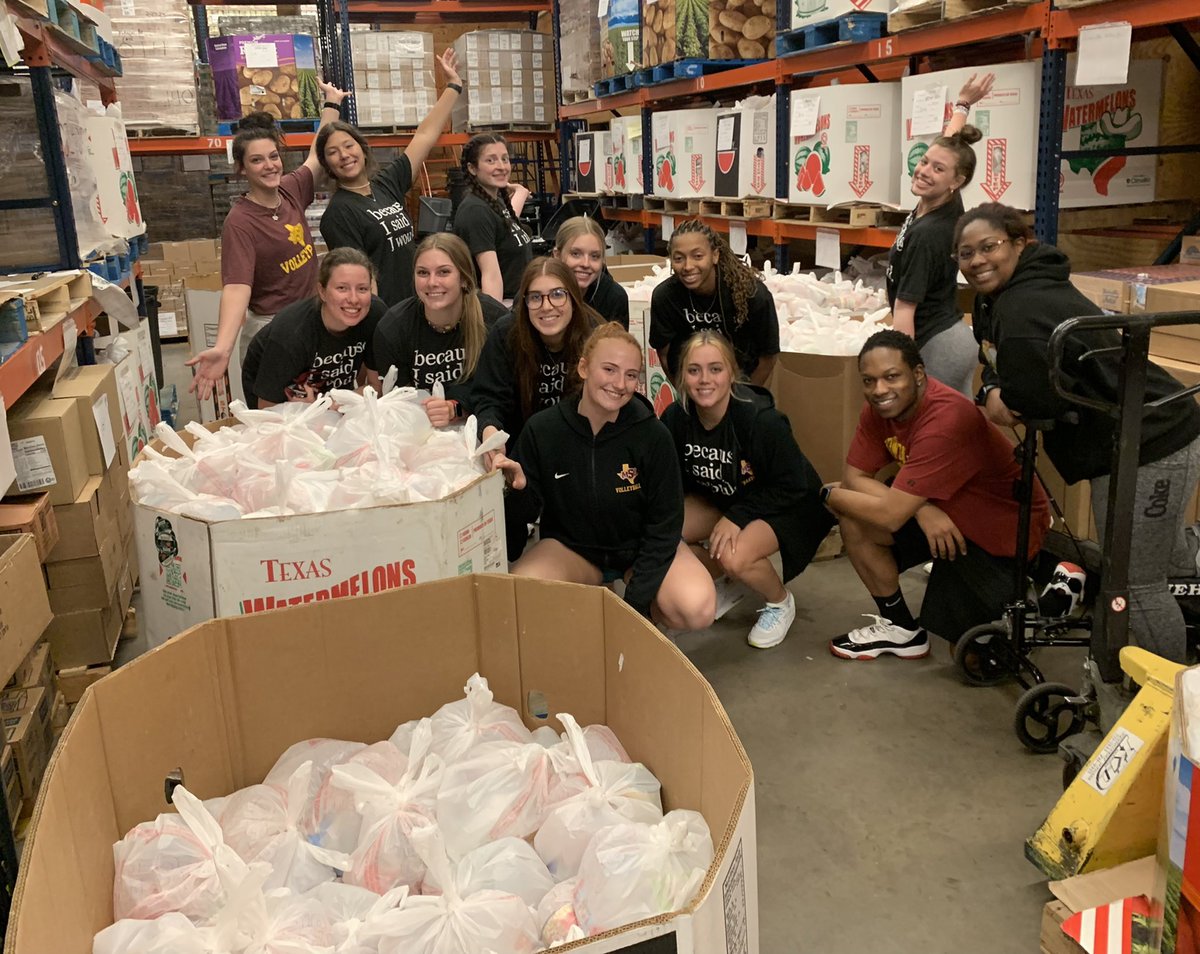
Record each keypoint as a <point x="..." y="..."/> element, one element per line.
<point x="882" y="636"/>
<point x="774" y="621"/>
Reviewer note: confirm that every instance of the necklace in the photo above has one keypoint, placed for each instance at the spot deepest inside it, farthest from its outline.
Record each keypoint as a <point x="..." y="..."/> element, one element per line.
<point x="275" y="211"/>
<point x="360" y="190"/>
<point x="715" y="300"/>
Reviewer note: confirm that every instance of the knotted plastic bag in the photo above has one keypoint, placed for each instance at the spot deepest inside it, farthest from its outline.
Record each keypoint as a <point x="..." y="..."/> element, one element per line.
<point x="332" y="821"/>
<point x="461" y="725"/>
<point x="353" y="914"/>
<point x="633" y="871"/>
<point x="255" y="921"/>
<point x="555" y="915"/>
<point x="507" y="865"/>
<point x="170" y="934"/>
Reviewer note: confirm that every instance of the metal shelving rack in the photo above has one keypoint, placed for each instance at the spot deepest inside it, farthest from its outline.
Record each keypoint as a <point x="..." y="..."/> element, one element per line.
<point x="1047" y="32"/>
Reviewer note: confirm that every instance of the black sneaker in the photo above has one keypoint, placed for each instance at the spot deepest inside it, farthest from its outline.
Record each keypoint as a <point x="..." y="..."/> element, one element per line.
<point x="881" y="637"/>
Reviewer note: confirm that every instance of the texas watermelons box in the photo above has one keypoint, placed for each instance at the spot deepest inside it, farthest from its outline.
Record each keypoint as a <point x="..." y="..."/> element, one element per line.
<point x="684" y="147"/>
<point x="746" y="150"/>
<point x="275" y="74"/>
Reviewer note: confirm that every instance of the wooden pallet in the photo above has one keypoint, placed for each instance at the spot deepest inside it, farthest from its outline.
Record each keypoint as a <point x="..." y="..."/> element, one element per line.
<point x="48" y="300"/>
<point x="916" y="15"/>
<point x="961" y="9"/>
<point x="669" y="206"/>
<point x="577" y="95"/>
<point x="760" y="208"/>
<point x="152" y="132"/>
<point x="508" y="127"/>
<point x="851" y="28"/>
<point x="622" y="200"/>
<point x="384" y="129"/>
<point x="843" y="216"/>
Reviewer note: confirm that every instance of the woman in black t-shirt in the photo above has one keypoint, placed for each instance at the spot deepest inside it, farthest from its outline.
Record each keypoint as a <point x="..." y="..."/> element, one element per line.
<point x="487" y="217"/>
<point x="438" y="334"/>
<point x="750" y="491"/>
<point x="712" y="288"/>
<point x="320" y="343"/>
<point x="579" y="243"/>
<point x="922" y="278"/>
<point x="369" y="207"/>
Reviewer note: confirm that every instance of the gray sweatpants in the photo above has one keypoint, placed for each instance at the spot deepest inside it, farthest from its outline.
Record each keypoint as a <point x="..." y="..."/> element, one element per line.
<point x="1158" y="548"/>
<point x="951" y="356"/>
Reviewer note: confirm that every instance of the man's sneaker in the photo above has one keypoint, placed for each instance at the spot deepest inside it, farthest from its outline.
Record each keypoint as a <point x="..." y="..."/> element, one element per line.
<point x="882" y="636"/>
<point x="774" y="621"/>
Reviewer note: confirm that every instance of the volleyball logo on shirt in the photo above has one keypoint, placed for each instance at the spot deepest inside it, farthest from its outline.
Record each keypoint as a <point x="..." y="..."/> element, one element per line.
<point x="629" y="475"/>
<point x="746" y="471"/>
<point x="295" y="234"/>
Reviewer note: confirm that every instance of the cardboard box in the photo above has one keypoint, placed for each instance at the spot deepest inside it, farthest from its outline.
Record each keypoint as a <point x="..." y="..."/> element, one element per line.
<point x="224" y="699"/>
<point x="1091" y="890"/>
<point x="94" y="387"/>
<point x="60" y="714"/>
<point x="1125" y="290"/>
<point x="1007" y="117"/>
<point x="802" y="13"/>
<point x="192" y="570"/>
<point x="1180" y="343"/>
<point x="275" y="73"/>
<point x="85" y="524"/>
<point x="621" y="38"/>
<point x="746" y="151"/>
<point x="72" y="683"/>
<point x="801" y="382"/>
<point x="625" y="152"/>
<point x="89" y="637"/>
<point x="844" y="144"/>
<point x="685" y="143"/>
<point x="86" y="583"/>
<point x="48" y="448"/>
<point x="1189" y="252"/>
<point x="26" y="715"/>
<point x="1177" y="879"/>
<point x="705" y="30"/>
<point x="1119" y="116"/>
<point x="36" y="669"/>
<point x="24" y="607"/>
<point x="203" y="296"/>
<point x="33" y="514"/>
<point x="593" y="172"/>
<point x="10" y="779"/>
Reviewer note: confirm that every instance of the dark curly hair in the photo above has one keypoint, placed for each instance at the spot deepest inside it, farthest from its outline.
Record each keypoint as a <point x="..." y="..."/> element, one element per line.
<point x="896" y="341"/>
<point x="252" y="128"/>
<point x="731" y="270"/>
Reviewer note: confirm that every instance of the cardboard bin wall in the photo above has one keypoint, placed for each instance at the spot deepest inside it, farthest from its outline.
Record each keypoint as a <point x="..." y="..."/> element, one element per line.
<point x="224" y="699"/>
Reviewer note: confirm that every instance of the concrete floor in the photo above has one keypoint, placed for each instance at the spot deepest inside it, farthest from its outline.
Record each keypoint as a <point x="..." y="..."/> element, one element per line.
<point x="893" y="801"/>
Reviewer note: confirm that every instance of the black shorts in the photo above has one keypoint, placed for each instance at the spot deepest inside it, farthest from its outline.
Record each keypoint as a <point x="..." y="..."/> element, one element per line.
<point x="972" y="588"/>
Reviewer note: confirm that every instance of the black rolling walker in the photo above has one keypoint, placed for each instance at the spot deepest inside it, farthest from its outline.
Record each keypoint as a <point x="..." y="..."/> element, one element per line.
<point x="993" y="652"/>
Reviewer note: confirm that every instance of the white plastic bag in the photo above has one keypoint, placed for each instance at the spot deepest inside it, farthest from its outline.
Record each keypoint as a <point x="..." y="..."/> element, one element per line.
<point x="332" y="821"/>
<point x="353" y="912"/>
<point x="461" y="725"/>
<point x="555" y="914"/>
<point x="499" y="789"/>
<point x="170" y="934"/>
<point x="255" y="921"/>
<point x="173" y="864"/>
<point x="632" y="871"/>
<point x="616" y="792"/>
<point x="385" y="857"/>
<point x="323" y="753"/>
<point x="487" y="922"/>
<point x="261" y="823"/>
<point x="508" y="865"/>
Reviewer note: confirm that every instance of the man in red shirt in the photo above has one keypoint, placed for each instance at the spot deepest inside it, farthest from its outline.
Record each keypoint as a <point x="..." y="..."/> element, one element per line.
<point x="953" y="499"/>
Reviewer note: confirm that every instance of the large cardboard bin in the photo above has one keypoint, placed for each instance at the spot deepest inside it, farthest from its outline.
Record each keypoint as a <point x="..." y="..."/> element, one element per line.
<point x="822" y="396"/>
<point x="224" y="699"/>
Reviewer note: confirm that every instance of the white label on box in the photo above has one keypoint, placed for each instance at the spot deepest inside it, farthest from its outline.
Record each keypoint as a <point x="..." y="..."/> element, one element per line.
<point x="725" y="133"/>
<point x="737" y="238"/>
<point x="539" y="78"/>
<point x="539" y="114"/>
<point x="518" y="61"/>
<point x="518" y="79"/>
<point x="503" y="41"/>
<point x="31" y="460"/>
<point x="760" y="133"/>
<point x="410" y="44"/>
<point x="829" y="249"/>
<point x="108" y="442"/>
<point x="1106" y="765"/>
<point x="472" y="42"/>
<point x="473" y="79"/>
<point x="805" y="111"/>
<point x="518" y="110"/>
<point x="602" y="8"/>
<point x="497" y="112"/>
<point x="261" y="56"/>
<point x="539" y="96"/>
<point x="494" y="59"/>
<point x="8" y="470"/>
<point x="494" y="78"/>
<point x="585" y="150"/>
<point x="928" y="111"/>
<point x="1103" y="54"/>
<point x="537" y="61"/>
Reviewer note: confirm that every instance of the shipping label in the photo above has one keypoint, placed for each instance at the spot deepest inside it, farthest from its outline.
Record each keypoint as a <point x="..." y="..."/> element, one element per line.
<point x="31" y="458"/>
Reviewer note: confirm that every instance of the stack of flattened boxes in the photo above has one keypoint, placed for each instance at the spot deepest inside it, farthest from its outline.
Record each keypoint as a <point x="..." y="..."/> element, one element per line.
<point x="510" y="80"/>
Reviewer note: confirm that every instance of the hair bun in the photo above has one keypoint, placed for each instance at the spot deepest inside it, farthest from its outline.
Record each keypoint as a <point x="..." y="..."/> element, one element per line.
<point x="256" y="121"/>
<point x="969" y="134"/>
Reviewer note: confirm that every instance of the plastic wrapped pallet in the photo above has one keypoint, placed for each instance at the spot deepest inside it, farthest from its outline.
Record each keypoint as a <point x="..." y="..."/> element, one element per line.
<point x="510" y="79"/>
<point x="579" y="59"/>
<point x="393" y="77"/>
<point x="157" y="47"/>
<point x="81" y="176"/>
<point x="27" y="236"/>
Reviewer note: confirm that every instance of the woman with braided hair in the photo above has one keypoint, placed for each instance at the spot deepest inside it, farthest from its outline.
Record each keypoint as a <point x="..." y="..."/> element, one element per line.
<point x="486" y="219"/>
<point x="712" y="288"/>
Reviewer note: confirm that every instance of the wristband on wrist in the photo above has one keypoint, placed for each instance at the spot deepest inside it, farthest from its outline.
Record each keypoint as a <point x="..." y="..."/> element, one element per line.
<point x="457" y="87"/>
<point x="329" y="104"/>
<point x="964" y="108"/>
<point x="824" y="493"/>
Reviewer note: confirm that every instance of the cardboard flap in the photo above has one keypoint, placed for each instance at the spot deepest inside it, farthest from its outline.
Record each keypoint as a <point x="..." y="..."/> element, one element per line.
<point x="1104" y="887"/>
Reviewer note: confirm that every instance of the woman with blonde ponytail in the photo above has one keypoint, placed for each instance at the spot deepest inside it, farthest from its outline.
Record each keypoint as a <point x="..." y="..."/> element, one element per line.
<point x="437" y="335"/>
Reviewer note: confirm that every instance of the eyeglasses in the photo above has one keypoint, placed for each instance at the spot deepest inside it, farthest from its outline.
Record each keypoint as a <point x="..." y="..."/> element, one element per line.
<point x="557" y="296"/>
<point x="964" y="255"/>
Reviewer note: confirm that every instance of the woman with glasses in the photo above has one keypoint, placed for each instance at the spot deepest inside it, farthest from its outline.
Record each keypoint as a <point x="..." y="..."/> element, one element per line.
<point x="529" y="362"/>
<point x="487" y="217"/>
<point x="1023" y="292"/>
<point x="601" y="471"/>
<point x="921" y="274"/>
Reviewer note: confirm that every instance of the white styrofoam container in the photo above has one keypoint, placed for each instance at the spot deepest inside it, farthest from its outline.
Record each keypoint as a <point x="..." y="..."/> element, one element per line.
<point x="593" y="172"/>
<point x="685" y="142"/>
<point x="625" y="150"/>
<point x="194" y="570"/>
<point x="856" y="142"/>
<point x="804" y="12"/>
<point x="1123" y="115"/>
<point x="1008" y="118"/>
<point x="745" y="166"/>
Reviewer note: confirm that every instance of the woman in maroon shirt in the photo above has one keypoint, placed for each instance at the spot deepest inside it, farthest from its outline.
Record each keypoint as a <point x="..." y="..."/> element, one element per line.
<point x="267" y="256"/>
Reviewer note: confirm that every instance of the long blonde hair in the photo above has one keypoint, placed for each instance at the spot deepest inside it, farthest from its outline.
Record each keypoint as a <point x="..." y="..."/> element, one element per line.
<point x="574" y="228"/>
<point x="708" y="336"/>
<point x="474" y="331"/>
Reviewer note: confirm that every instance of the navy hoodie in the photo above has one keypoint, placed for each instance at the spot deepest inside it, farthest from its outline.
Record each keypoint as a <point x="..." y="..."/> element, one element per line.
<point x="615" y="498"/>
<point x="1013" y="327"/>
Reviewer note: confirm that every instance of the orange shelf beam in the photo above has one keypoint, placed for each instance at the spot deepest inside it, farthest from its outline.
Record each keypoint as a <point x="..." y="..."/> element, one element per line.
<point x="42" y="47"/>
<point x="18" y="373"/>
<point x="756" y="74"/>
<point x="779" y="231"/>
<point x="202" y="145"/>
<point x="1065" y="24"/>
<point x="442" y="11"/>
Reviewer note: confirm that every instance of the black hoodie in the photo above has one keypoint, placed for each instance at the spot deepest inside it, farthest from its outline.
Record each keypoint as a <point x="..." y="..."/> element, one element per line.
<point x="494" y="399"/>
<point x="1013" y="327"/>
<point x="615" y="497"/>
<point x="609" y="299"/>
<point x="750" y="467"/>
